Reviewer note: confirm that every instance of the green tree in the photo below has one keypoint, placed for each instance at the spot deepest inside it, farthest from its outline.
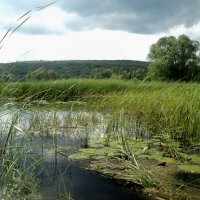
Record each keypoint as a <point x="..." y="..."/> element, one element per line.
<point x="139" y="74"/>
<point x="101" y="73"/>
<point x="174" y="59"/>
<point x="7" y="77"/>
<point x="42" y="74"/>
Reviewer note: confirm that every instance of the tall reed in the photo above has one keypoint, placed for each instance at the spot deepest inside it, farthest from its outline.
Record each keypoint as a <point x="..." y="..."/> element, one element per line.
<point x="171" y="108"/>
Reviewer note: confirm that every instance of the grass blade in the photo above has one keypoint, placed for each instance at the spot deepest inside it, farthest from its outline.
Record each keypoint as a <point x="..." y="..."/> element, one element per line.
<point x="43" y="7"/>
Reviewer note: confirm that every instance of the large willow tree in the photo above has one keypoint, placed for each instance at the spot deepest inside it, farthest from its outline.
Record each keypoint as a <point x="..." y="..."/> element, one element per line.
<point x="175" y="59"/>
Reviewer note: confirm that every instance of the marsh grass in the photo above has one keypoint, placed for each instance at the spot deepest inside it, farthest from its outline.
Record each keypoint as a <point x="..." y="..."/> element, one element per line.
<point x="139" y="175"/>
<point x="17" y="179"/>
<point x="160" y="108"/>
<point x="63" y="90"/>
<point x="141" y="110"/>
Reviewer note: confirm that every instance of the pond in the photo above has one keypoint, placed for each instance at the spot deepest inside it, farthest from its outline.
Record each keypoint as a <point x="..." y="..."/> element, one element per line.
<point x="51" y="137"/>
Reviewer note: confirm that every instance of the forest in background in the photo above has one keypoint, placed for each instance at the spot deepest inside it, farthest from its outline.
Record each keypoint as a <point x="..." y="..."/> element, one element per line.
<point x="51" y="70"/>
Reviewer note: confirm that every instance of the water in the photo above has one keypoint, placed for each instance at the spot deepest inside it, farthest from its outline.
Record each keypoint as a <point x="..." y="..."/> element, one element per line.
<point x="58" y="177"/>
<point x="62" y="177"/>
<point x="65" y="177"/>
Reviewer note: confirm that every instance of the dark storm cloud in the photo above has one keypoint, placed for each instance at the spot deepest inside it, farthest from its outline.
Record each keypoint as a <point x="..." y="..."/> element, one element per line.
<point x="138" y="16"/>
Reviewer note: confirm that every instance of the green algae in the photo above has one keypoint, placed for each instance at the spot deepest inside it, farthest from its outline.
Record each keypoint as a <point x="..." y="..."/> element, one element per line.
<point x="189" y="168"/>
<point x="109" y="161"/>
<point x="90" y="153"/>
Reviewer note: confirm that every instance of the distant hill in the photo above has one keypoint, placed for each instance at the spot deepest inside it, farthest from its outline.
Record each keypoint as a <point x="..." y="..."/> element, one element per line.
<point x="68" y="69"/>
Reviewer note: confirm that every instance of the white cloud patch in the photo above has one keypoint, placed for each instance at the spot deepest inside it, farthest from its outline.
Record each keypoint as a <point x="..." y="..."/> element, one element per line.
<point x="193" y="31"/>
<point x="49" y="21"/>
<point x="96" y="44"/>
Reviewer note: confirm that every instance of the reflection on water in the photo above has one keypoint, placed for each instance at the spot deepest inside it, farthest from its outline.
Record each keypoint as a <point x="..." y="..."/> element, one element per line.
<point x="53" y="136"/>
<point x="62" y="177"/>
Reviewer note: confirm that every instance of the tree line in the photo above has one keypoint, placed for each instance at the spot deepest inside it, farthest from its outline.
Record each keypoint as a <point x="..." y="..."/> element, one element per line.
<point x="170" y="59"/>
<point x="50" y="70"/>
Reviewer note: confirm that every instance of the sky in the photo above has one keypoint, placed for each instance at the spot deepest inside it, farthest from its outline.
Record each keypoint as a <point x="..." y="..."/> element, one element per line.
<point x="92" y="29"/>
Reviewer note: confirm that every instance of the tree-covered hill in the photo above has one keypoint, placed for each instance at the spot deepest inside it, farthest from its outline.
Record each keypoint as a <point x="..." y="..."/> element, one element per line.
<point x="70" y="69"/>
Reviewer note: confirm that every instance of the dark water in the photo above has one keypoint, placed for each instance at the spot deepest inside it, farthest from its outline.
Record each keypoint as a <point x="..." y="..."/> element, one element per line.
<point x="62" y="177"/>
<point x="189" y="178"/>
<point x="82" y="184"/>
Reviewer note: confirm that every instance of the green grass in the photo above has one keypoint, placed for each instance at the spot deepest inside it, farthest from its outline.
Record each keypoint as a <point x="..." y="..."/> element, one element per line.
<point x="17" y="179"/>
<point x="63" y="89"/>
<point x="168" y="113"/>
<point x="189" y="168"/>
<point x="163" y="108"/>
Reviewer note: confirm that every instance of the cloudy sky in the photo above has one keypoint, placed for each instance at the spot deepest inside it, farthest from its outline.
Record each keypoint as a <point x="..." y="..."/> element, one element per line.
<point x="92" y="29"/>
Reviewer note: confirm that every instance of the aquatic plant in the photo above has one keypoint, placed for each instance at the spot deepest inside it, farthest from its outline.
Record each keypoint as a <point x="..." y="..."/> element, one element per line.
<point x="17" y="178"/>
<point x="139" y="175"/>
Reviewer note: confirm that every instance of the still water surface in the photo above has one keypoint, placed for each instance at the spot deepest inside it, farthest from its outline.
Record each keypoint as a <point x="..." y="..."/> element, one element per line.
<point x="59" y="177"/>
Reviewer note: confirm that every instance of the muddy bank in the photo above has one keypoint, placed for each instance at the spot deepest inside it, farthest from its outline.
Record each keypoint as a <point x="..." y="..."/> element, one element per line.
<point x="172" y="179"/>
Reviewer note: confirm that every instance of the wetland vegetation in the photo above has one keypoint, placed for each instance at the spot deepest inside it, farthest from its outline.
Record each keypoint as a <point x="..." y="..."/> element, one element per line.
<point x="145" y="135"/>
